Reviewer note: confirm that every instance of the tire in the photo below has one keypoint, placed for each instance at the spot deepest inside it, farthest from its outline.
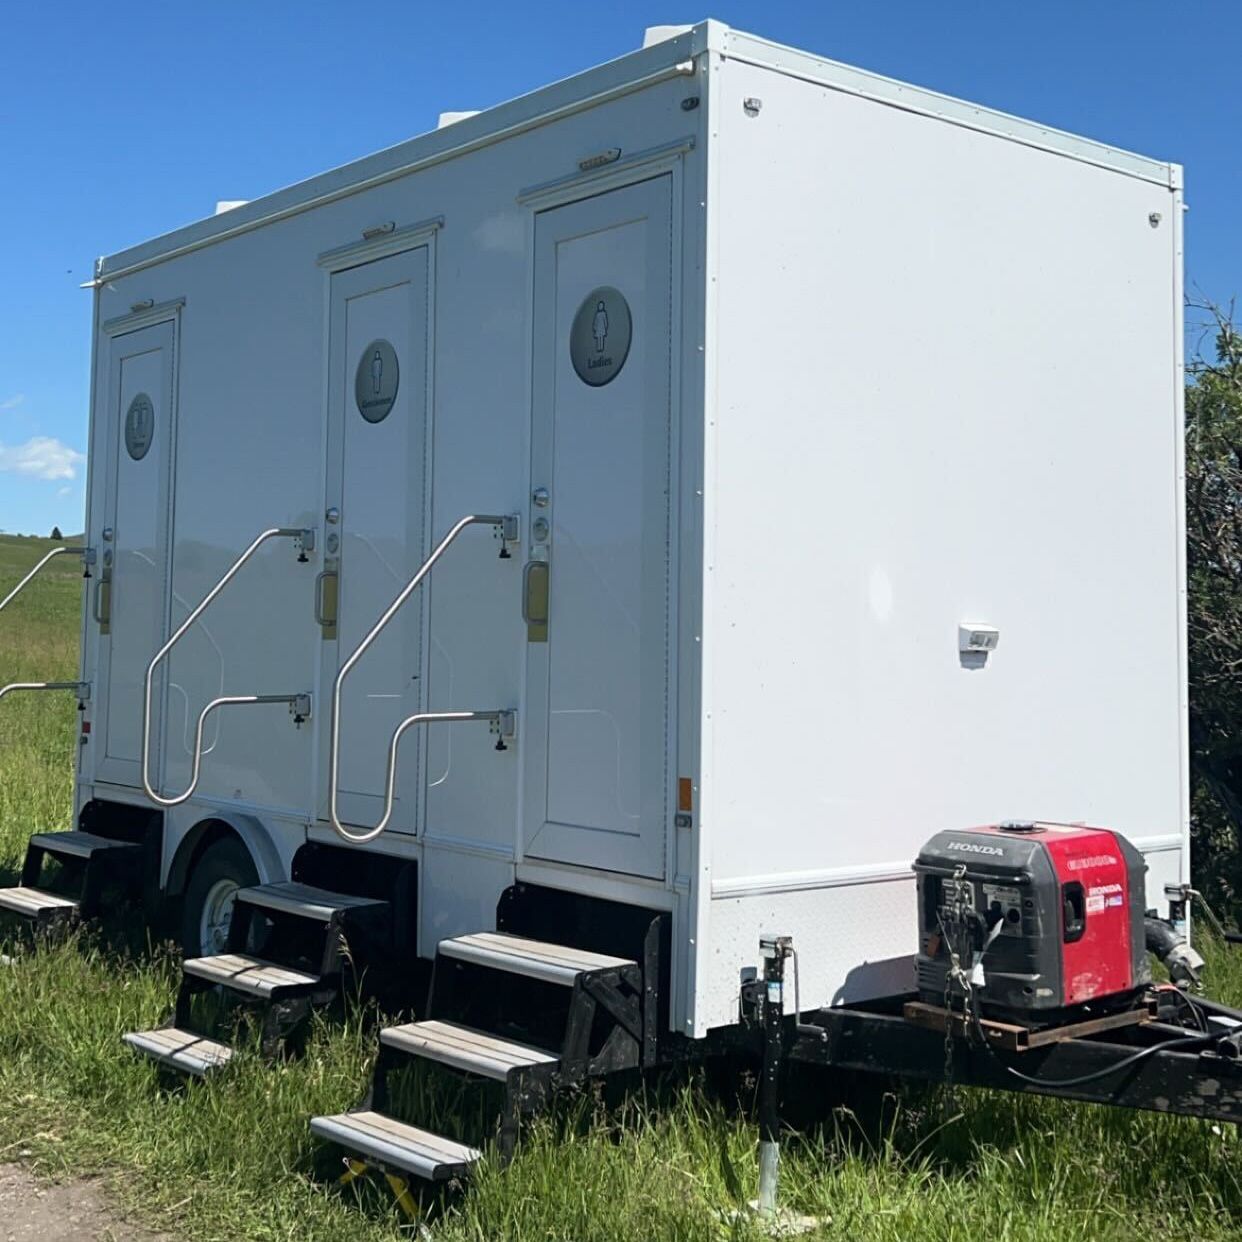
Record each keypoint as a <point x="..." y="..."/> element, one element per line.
<point x="222" y="868"/>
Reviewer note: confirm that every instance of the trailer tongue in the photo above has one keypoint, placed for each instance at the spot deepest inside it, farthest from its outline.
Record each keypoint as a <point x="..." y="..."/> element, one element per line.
<point x="1182" y="1058"/>
<point x="1032" y="976"/>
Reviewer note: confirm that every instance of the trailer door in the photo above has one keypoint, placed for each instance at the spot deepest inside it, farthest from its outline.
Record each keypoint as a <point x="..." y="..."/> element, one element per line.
<point x="375" y="522"/>
<point x="130" y="594"/>
<point x="597" y="702"/>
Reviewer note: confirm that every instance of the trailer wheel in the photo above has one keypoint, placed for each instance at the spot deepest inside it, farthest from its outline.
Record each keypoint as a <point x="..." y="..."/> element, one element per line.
<point x="207" y="909"/>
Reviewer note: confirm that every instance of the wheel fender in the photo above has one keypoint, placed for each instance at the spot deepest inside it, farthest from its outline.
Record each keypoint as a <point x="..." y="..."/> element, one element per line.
<point x="252" y="834"/>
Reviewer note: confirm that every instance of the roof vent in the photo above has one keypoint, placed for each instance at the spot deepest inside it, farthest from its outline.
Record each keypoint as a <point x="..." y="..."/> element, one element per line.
<point x="227" y="204"/>
<point x="659" y="34"/>
<point x="451" y="118"/>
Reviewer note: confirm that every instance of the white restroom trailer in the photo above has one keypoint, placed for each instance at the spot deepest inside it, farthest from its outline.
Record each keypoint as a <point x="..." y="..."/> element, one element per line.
<point x="842" y="424"/>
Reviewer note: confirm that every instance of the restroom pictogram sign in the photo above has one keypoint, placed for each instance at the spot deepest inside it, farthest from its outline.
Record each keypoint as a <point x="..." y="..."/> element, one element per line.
<point x="599" y="340"/>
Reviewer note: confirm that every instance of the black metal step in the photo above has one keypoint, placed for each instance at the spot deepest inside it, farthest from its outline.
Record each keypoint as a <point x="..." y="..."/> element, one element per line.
<point x="307" y="902"/>
<point x="84" y="845"/>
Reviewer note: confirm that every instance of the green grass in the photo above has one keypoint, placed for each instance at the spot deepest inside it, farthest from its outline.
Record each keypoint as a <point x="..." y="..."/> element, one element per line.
<point x="38" y="642"/>
<point x="233" y="1159"/>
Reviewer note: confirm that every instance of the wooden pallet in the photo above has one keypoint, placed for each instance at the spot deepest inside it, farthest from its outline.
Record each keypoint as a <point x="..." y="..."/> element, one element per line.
<point x="1013" y="1038"/>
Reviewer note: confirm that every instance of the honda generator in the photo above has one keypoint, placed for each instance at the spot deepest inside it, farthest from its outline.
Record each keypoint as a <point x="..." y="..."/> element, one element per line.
<point x="1027" y="920"/>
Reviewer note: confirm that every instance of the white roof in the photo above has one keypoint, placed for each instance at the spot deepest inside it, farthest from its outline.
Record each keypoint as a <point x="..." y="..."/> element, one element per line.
<point x="664" y="58"/>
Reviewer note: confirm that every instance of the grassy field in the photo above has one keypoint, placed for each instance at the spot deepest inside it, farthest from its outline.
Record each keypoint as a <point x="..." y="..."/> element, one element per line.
<point x="232" y="1158"/>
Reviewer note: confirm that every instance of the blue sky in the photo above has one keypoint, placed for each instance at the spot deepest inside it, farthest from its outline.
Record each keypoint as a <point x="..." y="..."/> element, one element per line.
<point x="121" y="121"/>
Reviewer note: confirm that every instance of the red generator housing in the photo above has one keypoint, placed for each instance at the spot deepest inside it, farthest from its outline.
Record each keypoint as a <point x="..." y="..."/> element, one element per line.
<point x="1056" y="910"/>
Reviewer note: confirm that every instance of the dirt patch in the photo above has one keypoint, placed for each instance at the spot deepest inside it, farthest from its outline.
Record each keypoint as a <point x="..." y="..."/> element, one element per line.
<point x="73" y="1211"/>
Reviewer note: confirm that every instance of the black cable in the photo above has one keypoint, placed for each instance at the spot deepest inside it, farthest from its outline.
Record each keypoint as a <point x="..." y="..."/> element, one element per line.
<point x="972" y="1011"/>
<point x="1108" y="1069"/>
<point x="1201" y="1017"/>
<point x="1124" y="1063"/>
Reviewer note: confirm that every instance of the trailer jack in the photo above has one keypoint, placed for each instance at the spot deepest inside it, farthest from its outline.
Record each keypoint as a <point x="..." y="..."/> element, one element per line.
<point x="768" y="999"/>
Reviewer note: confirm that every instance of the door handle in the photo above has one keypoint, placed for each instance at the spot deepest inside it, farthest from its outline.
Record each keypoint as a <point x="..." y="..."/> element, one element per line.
<point x="535" y="582"/>
<point x="326" y="596"/>
<point x="102" y="606"/>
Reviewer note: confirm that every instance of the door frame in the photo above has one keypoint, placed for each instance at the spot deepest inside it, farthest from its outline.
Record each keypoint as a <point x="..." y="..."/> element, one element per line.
<point x="118" y="771"/>
<point x="385" y="243"/>
<point x="663" y="161"/>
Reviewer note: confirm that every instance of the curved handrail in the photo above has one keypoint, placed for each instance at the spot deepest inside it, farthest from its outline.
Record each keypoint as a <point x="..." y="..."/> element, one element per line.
<point x="274" y="532"/>
<point x="506" y="523"/>
<point x="21" y="586"/>
<point x="225" y="700"/>
<point x="81" y="687"/>
<point x="504" y="719"/>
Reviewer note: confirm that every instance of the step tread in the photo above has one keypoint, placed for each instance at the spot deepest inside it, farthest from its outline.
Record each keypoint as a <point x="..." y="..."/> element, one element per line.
<point x="248" y="974"/>
<point x="465" y="1048"/>
<point x="395" y="1143"/>
<point x="183" y="1050"/>
<point x="538" y="959"/>
<point x="32" y="902"/>
<point x="78" y="844"/>
<point x="290" y="897"/>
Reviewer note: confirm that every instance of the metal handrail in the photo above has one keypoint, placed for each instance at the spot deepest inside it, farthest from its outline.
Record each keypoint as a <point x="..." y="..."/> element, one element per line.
<point x="83" y="688"/>
<point x="21" y="586"/>
<point x="306" y="540"/>
<point x="508" y="527"/>
<point x="505" y="721"/>
<point x="299" y="706"/>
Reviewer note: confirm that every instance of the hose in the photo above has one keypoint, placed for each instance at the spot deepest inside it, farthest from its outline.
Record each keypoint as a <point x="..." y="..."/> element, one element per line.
<point x="1183" y="963"/>
<point x="1162" y="937"/>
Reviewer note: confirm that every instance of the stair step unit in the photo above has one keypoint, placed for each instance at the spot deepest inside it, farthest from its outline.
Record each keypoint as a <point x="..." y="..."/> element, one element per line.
<point x="91" y="866"/>
<point x="313" y="936"/>
<point x="532" y="1014"/>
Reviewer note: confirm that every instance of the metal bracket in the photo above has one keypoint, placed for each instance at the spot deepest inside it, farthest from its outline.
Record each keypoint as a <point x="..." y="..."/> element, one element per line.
<point x="300" y="708"/>
<point x="775" y="946"/>
<point x="304" y="542"/>
<point x="504" y="728"/>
